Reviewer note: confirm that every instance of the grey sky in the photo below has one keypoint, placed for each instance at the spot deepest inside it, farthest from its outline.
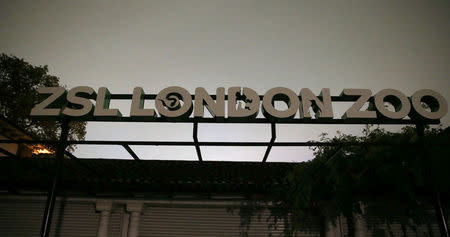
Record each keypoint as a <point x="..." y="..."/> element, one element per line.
<point x="403" y="45"/>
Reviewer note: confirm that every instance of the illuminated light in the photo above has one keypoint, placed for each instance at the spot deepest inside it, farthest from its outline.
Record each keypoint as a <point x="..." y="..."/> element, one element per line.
<point x="39" y="149"/>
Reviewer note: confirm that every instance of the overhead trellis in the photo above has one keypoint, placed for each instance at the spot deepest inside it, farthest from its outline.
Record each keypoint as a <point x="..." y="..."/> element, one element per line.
<point x="76" y="167"/>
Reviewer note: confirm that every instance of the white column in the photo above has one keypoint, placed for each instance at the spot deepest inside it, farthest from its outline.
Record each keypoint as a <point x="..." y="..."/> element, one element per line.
<point x="360" y="222"/>
<point x="135" y="209"/>
<point x="125" y="222"/>
<point x="332" y="224"/>
<point x="330" y="229"/>
<point x="104" y="206"/>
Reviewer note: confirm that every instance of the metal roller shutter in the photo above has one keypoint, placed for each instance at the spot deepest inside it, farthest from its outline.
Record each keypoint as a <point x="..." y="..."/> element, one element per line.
<point x="115" y="223"/>
<point x="198" y="221"/>
<point x="21" y="218"/>
<point x="208" y="221"/>
<point x="75" y="219"/>
<point x="24" y="218"/>
<point x="313" y="228"/>
<point x="342" y="225"/>
<point x="376" y="229"/>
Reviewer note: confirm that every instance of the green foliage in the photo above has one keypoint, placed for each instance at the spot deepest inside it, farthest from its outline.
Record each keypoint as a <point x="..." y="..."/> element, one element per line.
<point x="402" y="171"/>
<point x="18" y="83"/>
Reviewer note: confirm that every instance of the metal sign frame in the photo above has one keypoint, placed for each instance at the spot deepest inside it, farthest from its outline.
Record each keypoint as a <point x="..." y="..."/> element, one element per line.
<point x="195" y="121"/>
<point x="62" y="143"/>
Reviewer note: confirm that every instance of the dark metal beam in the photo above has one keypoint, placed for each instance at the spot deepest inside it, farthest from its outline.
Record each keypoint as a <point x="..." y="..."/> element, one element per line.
<point x="51" y="197"/>
<point x="187" y="143"/>
<point x="7" y="152"/>
<point x="248" y="121"/>
<point x="70" y="155"/>
<point x="328" y="159"/>
<point x="153" y="96"/>
<point x="272" y="140"/>
<point x="334" y="154"/>
<point x="128" y="148"/>
<point x="196" y="143"/>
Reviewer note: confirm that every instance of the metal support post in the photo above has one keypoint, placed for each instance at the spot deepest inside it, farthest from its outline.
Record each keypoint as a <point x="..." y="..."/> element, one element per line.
<point x="51" y="196"/>
<point x="272" y="140"/>
<point x="197" y="146"/>
<point x="131" y="152"/>
<point x="442" y="222"/>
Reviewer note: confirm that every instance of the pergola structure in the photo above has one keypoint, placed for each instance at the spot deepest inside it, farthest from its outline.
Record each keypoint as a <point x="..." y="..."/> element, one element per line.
<point x="76" y="164"/>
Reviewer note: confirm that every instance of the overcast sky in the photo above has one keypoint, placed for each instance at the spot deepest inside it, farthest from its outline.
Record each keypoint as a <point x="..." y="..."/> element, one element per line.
<point x="315" y="44"/>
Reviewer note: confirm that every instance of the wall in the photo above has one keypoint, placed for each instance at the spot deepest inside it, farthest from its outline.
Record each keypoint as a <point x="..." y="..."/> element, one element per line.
<point x="78" y="217"/>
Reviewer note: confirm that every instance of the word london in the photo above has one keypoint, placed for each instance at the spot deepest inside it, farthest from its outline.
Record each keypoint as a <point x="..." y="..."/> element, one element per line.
<point x="243" y="103"/>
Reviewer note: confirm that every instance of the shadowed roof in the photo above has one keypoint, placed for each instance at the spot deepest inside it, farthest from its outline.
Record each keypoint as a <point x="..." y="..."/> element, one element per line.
<point x="128" y="177"/>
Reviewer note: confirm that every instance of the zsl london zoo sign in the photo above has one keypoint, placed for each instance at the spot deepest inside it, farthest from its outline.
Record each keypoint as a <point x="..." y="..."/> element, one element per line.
<point x="177" y="104"/>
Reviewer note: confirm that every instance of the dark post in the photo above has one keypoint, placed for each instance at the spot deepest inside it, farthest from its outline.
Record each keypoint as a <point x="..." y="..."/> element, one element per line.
<point x="51" y="196"/>
<point x="443" y="223"/>
<point x="197" y="147"/>
<point x="272" y="140"/>
<point x="443" y="228"/>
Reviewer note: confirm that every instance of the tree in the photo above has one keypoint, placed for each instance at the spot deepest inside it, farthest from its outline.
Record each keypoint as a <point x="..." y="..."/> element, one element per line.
<point x="18" y="83"/>
<point x="406" y="174"/>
